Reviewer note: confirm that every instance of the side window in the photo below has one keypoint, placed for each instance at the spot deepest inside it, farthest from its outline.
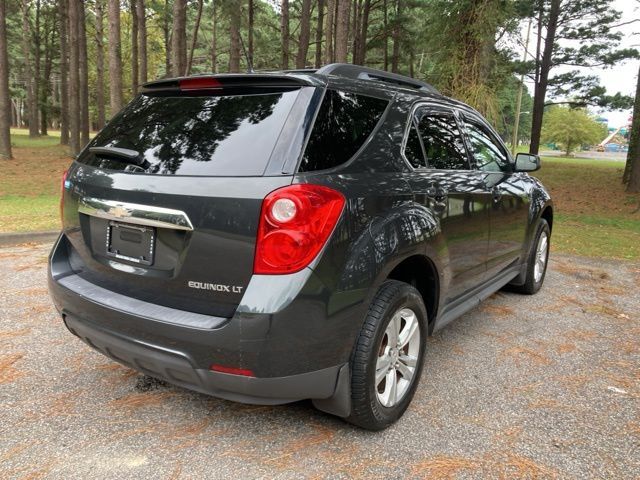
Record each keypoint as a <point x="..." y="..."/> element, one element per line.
<point x="487" y="153"/>
<point x="413" y="148"/>
<point x="442" y="142"/>
<point x="344" y="122"/>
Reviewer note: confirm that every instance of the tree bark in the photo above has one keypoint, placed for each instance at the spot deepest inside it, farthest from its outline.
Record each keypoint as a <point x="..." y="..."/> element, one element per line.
<point x="305" y="34"/>
<point x="214" y="40"/>
<point x="179" y="38"/>
<point x="194" y="40"/>
<point x="63" y="13"/>
<point x="100" y="108"/>
<point x="342" y="30"/>
<point x="543" y="78"/>
<point x="115" y="58"/>
<point x="234" y="37"/>
<point x="134" y="46"/>
<point x="284" y="29"/>
<point x="364" y="28"/>
<point x="45" y="91"/>
<point x="5" y="100"/>
<point x="395" y="55"/>
<point x="329" y="56"/>
<point x="74" y="79"/>
<point x="83" y="66"/>
<point x="166" y="34"/>
<point x="319" y="33"/>
<point x="632" y="168"/>
<point x="142" y="40"/>
<point x="32" y="101"/>
<point x="385" y="25"/>
<point x="250" y="42"/>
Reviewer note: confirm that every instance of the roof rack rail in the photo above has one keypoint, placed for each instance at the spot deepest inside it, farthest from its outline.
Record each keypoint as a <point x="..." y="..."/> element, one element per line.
<point x="358" y="72"/>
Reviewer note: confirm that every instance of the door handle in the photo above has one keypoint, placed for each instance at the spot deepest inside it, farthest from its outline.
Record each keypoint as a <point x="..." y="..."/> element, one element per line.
<point x="436" y="193"/>
<point x="496" y="193"/>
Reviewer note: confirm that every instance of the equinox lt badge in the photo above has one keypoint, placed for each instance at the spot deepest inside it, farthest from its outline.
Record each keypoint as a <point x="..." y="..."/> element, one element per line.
<point x="215" y="287"/>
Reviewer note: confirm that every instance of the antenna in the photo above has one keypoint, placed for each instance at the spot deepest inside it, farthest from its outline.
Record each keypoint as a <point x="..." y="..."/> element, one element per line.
<point x="246" y="56"/>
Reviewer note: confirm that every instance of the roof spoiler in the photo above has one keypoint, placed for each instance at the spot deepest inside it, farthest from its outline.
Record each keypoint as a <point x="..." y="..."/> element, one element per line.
<point x="226" y="81"/>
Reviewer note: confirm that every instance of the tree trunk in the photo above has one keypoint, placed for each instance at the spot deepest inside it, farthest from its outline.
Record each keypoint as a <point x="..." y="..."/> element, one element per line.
<point x="179" y="38"/>
<point x="32" y="101"/>
<point x="214" y="40"/>
<point x="83" y="66"/>
<point x="284" y="29"/>
<point x="385" y="23"/>
<point x="305" y="34"/>
<point x="329" y="56"/>
<point x="342" y="30"/>
<point x="5" y="99"/>
<point x="234" y="37"/>
<point x="100" y="109"/>
<point x="134" y="46"/>
<point x="251" y="21"/>
<point x="319" y="33"/>
<point x="166" y="34"/>
<point x="63" y="13"/>
<point x="364" y="28"/>
<point x="632" y="169"/>
<point x="142" y="40"/>
<point x="115" y="58"/>
<point x="395" y="56"/>
<point x="74" y="78"/>
<point x="194" y="40"/>
<point x="45" y="92"/>
<point x="543" y="80"/>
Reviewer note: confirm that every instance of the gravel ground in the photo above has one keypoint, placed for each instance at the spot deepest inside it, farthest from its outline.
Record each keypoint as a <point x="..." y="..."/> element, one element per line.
<point x="521" y="387"/>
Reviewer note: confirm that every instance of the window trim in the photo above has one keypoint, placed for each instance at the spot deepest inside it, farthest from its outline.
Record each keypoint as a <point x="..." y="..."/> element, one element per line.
<point x="434" y="107"/>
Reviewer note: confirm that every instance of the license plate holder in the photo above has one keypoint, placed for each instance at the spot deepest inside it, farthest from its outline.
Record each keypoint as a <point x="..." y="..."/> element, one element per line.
<point x="133" y="243"/>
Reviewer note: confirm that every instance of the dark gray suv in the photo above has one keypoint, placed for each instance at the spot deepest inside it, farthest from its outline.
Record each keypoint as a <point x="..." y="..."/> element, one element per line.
<point x="267" y="238"/>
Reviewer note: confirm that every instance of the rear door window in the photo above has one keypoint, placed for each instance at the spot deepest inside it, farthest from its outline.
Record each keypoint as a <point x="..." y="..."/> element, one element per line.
<point x="443" y="144"/>
<point x="231" y="135"/>
<point x="343" y="124"/>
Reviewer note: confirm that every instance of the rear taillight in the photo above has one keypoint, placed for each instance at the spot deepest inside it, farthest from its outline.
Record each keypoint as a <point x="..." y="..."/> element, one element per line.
<point x="295" y="223"/>
<point x="63" y="184"/>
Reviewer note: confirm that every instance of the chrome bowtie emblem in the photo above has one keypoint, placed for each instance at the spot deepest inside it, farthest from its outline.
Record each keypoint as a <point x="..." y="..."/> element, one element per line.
<point x="119" y="211"/>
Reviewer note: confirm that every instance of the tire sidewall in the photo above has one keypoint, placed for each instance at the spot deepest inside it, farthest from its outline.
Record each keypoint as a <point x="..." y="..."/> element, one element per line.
<point x="408" y="297"/>
<point x="543" y="226"/>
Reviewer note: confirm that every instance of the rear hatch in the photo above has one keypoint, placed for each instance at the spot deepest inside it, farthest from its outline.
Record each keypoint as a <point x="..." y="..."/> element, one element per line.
<point x="164" y="204"/>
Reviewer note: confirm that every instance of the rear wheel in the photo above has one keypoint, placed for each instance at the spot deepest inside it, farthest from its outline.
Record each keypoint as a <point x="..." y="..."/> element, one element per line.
<point x="387" y="361"/>
<point x="537" y="261"/>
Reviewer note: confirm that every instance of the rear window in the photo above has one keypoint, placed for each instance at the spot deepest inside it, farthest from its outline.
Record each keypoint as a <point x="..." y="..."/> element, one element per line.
<point x="344" y="122"/>
<point x="197" y="135"/>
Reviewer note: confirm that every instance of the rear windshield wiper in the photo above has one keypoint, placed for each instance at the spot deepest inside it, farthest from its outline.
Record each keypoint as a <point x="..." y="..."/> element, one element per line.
<point x="123" y="154"/>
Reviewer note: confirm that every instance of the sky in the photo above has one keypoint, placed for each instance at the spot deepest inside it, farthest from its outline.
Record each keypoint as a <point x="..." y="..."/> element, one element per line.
<point x="621" y="78"/>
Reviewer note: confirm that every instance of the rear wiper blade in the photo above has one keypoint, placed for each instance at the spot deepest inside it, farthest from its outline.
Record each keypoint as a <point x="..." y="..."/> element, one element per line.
<point x="123" y="154"/>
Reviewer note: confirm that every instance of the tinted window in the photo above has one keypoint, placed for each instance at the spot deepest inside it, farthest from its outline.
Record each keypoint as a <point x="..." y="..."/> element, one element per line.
<point x="442" y="142"/>
<point x="486" y="152"/>
<point x="344" y="122"/>
<point x="197" y="135"/>
<point x="413" y="149"/>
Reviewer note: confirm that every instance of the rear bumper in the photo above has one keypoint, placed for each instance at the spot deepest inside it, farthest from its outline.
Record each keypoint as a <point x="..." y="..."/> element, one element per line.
<point x="176" y="367"/>
<point x="295" y="354"/>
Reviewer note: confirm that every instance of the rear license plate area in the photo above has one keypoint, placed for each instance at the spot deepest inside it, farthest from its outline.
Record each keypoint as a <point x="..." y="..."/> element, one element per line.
<point x="133" y="243"/>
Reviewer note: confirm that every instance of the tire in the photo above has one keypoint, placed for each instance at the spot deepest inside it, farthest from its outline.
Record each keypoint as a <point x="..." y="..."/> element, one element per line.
<point x="534" y="277"/>
<point x="394" y="302"/>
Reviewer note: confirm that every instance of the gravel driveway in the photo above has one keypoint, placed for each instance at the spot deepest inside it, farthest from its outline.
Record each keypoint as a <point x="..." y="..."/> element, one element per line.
<point x="537" y="387"/>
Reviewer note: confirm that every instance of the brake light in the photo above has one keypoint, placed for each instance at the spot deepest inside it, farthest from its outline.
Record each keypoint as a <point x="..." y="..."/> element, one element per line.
<point x="198" y="83"/>
<point x="295" y="223"/>
<point x="63" y="184"/>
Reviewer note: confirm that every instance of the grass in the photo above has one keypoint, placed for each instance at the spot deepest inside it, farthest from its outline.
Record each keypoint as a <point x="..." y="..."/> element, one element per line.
<point x="593" y="214"/>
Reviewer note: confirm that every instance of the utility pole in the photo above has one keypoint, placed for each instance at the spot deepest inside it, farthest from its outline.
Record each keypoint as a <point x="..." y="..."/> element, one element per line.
<point x="514" y="141"/>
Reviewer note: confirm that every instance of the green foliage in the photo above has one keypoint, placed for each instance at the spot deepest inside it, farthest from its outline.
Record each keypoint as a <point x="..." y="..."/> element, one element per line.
<point x="571" y="128"/>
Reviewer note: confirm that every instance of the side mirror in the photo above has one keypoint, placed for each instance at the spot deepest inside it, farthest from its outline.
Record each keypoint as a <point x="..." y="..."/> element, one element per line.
<point x="527" y="162"/>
